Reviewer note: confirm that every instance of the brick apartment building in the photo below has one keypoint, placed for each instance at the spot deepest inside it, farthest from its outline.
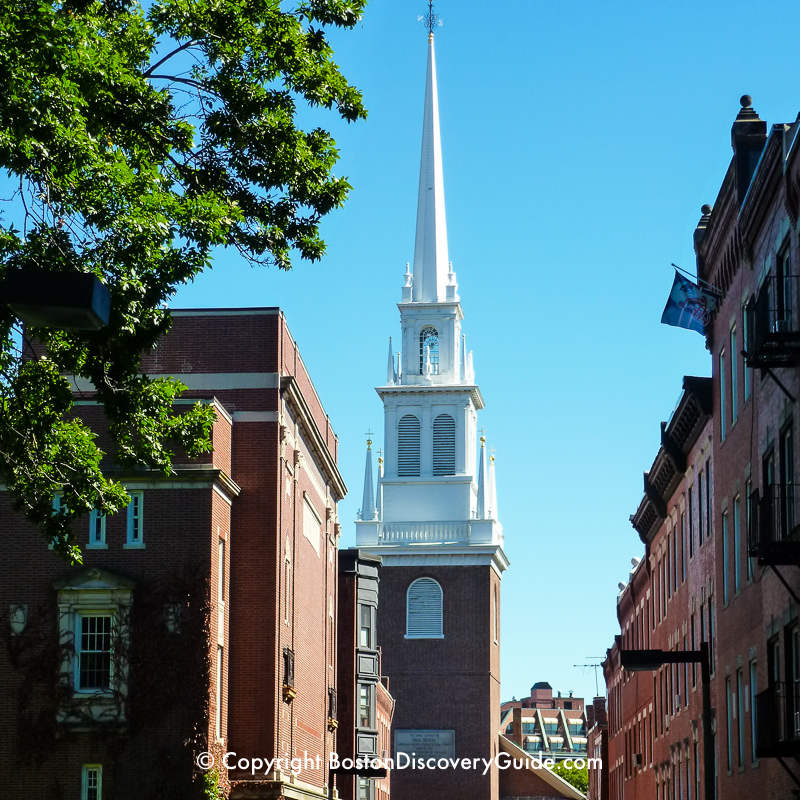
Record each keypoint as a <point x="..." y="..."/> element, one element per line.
<point x="204" y="618"/>
<point x="655" y="729"/>
<point x="553" y="727"/>
<point x="365" y="717"/>
<point x="741" y="588"/>
<point x="597" y="748"/>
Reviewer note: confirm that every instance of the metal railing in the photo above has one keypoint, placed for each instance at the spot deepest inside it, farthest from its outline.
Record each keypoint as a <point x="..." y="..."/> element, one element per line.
<point x="773" y="320"/>
<point x="774" y="535"/>
<point x="778" y="721"/>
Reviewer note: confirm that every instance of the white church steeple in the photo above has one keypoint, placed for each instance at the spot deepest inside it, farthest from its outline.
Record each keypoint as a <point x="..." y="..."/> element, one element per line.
<point x="431" y="489"/>
<point x="430" y="251"/>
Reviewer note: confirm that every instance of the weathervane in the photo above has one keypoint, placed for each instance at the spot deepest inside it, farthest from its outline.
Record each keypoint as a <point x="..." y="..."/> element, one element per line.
<point x="431" y="18"/>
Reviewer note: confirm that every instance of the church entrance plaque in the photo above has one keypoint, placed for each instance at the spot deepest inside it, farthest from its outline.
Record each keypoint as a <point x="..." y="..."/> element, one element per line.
<point x="425" y="743"/>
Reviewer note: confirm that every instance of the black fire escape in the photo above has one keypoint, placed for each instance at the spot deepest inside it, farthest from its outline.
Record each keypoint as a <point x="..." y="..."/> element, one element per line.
<point x="778" y="721"/>
<point x="772" y="327"/>
<point x="773" y="343"/>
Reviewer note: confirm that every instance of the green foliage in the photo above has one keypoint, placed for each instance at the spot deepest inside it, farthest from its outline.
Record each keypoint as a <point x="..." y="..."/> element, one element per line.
<point x="210" y="782"/>
<point x="579" y="778"/>
<point x="137" y="138"/>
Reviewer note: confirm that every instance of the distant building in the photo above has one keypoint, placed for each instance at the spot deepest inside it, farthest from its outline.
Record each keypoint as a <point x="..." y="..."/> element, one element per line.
<point x="553" y="727"/>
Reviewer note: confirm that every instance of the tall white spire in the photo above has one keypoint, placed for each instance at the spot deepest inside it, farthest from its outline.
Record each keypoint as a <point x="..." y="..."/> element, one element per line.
<point x="483" y="501"/>
<point x="431" y="264"/>
<point x="368" y="510"/>
<point x="492" y="490"/>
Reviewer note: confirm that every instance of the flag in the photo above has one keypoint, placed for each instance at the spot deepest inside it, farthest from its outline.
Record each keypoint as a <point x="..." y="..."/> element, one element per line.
<point x="688" y="306"/>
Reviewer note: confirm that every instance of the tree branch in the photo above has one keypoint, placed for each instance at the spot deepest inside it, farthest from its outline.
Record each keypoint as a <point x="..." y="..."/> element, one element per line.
<point x="149" y="72"/>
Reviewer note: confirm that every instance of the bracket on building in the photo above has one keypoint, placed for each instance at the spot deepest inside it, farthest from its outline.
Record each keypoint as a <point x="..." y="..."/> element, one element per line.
<point x="788" y="588"/>
<point x="772" y="375"/>
<point x="780" y="385"/>
<point x="788" y="770"/>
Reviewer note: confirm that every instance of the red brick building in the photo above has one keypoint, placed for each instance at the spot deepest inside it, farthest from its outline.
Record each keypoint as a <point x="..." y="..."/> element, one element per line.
<point x="597" y="748"/>
<point x="747" y="247"/>
<point x="721" y="532"/>
<point x="655" y="726"/>
<point x="204" y="618"/>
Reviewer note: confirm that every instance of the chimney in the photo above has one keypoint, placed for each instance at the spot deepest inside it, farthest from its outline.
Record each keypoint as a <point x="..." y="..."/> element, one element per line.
<point x="599" y="706"/>
<point x="516" y="721"/>
<point x="590" y="720"/>
<point x="748" y="136"/>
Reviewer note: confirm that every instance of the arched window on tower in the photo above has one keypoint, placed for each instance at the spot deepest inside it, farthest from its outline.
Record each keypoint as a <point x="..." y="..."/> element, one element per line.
<point x="408" y="446"/>
<point x="424" y="605"/>
<point x="444" y="445"/>
<point x="429" y="340"/>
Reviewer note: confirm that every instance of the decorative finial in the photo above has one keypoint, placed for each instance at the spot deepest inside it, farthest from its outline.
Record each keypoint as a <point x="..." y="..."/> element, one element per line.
<point x="746" y="101"/>
<point x="369" y="440"/>
<point x="431" y="19"/>
<point x="706" y="210"/>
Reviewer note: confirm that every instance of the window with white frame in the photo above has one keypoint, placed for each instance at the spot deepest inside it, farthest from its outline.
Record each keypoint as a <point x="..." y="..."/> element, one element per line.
<point x="93" y="667"/>
<point x="93" y="613"/>
<point x="135" y="515"/>
<point x="97" y="530"/>
<point x="92" y="782"/>
<point x="424" y="607"/>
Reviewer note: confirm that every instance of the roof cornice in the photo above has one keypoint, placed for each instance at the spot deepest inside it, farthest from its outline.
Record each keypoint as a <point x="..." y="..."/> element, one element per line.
<point x="292" y="393"/>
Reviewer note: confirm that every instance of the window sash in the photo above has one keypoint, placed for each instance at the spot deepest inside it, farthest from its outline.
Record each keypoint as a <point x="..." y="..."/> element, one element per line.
<point x="97" y="528"/>
<point x="135" y="509"/>
<point x="92" y="782"/>
<point x="93" y="651"/>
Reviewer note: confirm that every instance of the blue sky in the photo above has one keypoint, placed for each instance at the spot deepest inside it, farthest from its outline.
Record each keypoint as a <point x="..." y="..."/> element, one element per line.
<point x="580" y="140"/>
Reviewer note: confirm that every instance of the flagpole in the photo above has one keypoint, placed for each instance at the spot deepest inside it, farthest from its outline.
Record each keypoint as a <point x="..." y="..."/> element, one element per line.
<point x="698" y="279"/>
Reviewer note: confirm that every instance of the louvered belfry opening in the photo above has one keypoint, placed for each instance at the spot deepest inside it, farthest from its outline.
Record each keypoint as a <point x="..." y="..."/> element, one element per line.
<point x="444" y="445"/>
<point x="424" y="609"/>
<point x="408" y="446"/>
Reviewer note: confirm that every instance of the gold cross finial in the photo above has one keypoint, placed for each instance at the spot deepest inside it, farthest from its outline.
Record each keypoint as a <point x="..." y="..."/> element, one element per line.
<point x="369" y="439"/>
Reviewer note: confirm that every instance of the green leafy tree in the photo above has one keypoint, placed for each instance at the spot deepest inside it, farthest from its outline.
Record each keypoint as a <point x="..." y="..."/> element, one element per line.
<point x="138" y="138"/>
<point x="579" y="778"/>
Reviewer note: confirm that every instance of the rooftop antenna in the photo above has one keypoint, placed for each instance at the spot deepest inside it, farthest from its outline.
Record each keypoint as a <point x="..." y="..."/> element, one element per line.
<point x="595" y="666"/>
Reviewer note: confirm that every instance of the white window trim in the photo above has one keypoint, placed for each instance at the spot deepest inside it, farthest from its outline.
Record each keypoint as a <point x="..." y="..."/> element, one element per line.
<point x="441" y="620"/>
<point x="131" y="543"/>
<point x="76" y="661"/>
<point x="93" y="591"/>
<point x="85" y="780"/>
<point x="101" y="544"/>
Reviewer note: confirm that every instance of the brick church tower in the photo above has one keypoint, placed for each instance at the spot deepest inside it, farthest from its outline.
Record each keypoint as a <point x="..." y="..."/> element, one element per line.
<point x="433" y="521"/>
